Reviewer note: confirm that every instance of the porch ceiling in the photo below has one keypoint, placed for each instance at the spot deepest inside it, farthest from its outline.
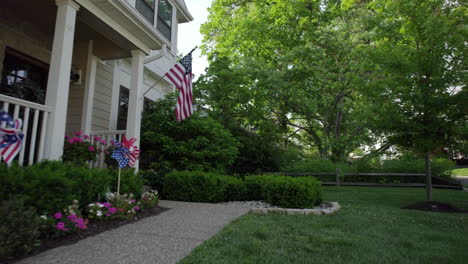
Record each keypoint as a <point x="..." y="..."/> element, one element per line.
<point x="108" y="43"/>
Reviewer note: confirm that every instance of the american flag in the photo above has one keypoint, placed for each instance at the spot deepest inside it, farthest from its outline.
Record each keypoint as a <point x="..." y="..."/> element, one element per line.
<point x="181" y="76"/>
<point x="11" y="137"/>
<point x="126" y="153"/>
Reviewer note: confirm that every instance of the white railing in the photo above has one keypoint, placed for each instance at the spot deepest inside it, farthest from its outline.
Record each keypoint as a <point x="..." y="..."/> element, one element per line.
<point x="35" y="117"/>
<point x="107" y="136"/>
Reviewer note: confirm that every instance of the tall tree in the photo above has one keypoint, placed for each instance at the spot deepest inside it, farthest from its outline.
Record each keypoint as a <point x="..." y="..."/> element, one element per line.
<point x="300" y="65"/>
<point x="419" y="84"/>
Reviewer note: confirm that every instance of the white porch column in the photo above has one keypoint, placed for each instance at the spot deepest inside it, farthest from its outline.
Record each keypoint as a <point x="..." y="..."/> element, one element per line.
<point x="135" y="104"/>
<point x="89" y="90"/>
<point x="59" y="77"/>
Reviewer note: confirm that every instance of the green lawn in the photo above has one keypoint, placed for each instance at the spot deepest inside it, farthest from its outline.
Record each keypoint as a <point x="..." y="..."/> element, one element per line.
<point x="460" y="172"/>
<point x="369" y="228"/>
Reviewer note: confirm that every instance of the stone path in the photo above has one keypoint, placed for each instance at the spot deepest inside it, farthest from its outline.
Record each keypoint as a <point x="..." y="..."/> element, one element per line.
<point x="164" y="238"/>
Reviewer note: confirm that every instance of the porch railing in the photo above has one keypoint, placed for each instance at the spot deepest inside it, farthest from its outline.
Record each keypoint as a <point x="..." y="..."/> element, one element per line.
<point x="107" y="136"/>
<point x="35" y="117"/>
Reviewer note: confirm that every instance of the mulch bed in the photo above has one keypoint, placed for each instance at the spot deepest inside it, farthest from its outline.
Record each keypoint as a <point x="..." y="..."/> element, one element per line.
<point x="435" y="207"/>
<point x="94" y="227"/>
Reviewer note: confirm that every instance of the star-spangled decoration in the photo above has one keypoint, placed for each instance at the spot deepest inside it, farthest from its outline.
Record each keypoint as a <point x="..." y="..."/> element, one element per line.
<point x="11" y="137"/>
<point x="125" y="153"/>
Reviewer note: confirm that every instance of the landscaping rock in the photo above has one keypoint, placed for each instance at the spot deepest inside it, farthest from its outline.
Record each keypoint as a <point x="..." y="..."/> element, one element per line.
<point x="312" y="211"/>
<point x="277" y="210"/>
<point x="327" y="211"/>
<point x="259" y="210"/>
<point x="295" y="211"/>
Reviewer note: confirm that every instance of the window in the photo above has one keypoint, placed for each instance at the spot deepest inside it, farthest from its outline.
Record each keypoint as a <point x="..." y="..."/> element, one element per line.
<point x="146" y="8"/>
<point x="164" y="23"/>
<point x="123" y="108"/>
<point x="24" y="77"/>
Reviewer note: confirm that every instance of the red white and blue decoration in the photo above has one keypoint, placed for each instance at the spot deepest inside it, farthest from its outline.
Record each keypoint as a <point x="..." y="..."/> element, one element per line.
<point x="126" y="153"/>
<point x="11" y="137"/>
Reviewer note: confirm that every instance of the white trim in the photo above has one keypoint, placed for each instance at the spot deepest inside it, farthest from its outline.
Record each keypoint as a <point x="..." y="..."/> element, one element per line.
<point x="91" y="6"/>
<point x="115" y="95"/>
<point x="58" y="83"/>
<point x="89" y="90"/>
<point x="161" y="54"/>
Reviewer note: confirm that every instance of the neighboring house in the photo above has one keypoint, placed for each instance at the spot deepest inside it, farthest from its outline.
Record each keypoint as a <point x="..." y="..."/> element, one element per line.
<point x="69" y="65"/>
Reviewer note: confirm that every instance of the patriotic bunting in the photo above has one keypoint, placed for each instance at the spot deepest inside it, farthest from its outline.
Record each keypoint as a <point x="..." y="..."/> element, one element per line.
<point x="11" y="137"/>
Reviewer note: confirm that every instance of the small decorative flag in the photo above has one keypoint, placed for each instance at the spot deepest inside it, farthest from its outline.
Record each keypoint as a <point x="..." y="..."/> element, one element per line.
<point x="126" y="153"/>
<point x="181" y="76"/>
<point x="11" y="137"/>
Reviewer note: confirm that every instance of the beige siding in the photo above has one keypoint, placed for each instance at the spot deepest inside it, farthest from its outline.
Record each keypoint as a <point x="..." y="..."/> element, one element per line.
<point x="102" y="96"/>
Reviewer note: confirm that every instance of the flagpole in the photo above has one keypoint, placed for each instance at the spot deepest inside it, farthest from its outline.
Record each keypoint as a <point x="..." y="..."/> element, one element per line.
<point x="118" y="181"/>
<point x="162" y="77"/>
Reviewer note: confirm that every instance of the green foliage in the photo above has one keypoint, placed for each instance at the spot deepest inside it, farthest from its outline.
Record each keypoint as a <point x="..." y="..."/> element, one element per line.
<point x="289" y="192"/>
<point x="130" y="182"/>
<point x="311" y="166"/>
<point x="51" y="186"/>
<point x="284" y="191"/>
<point x="194" y="186"/>
<point x="197" y="143"/>
<point x="443" y="168"/>
<point x="19" y="228"/>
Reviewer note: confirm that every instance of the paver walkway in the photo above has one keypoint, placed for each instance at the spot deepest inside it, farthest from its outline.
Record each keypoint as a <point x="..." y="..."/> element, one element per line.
<point x="164" y="238"/>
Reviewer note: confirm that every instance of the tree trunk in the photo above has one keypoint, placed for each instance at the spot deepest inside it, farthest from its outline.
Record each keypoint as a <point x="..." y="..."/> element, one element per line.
<point x="428" y="176"/>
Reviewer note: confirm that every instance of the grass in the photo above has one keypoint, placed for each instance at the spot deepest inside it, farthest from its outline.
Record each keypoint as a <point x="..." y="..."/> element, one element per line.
<point x="460" y="172"/>
<point x="369" y="228"/>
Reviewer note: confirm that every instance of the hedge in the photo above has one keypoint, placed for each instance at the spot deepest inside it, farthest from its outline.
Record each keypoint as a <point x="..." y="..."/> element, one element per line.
<point x="196" y="186"/>
<point x="51" y="186"/>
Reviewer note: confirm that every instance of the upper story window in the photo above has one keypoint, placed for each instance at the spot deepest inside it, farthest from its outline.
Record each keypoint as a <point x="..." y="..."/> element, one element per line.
<point x="164" y="23"/>
<point x="146" y="8"/>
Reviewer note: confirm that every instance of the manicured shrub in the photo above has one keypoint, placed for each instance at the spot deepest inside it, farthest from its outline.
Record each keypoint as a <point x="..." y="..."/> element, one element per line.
<point x="130" y="182"/>
<point x="19" y="228"/>
<point x="97" y="182"/>
<point x="234" y="189"/>
<point x="285" y="191"/>
<point x="154" y="178"/>
<point x="193" y="186"/>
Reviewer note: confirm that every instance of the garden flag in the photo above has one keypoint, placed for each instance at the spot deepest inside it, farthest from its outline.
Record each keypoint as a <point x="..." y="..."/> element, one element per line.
<point x="11" y="137"/>
<point x="126" y="153"/>
<point x="181" y="76"/>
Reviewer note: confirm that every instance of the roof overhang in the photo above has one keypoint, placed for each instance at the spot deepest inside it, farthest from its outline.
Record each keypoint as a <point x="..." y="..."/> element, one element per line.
<point x="184" y="15"/>
<point x="127" y="22"/>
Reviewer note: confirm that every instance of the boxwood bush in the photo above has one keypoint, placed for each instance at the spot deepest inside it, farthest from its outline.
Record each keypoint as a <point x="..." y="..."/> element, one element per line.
<point x="284" y="191"/>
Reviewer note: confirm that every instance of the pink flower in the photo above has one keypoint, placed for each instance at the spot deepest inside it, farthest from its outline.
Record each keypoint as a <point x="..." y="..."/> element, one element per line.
<point x="107" y="205"/>
<point x="121" y="210"/>
<point x="67" y="137"/>
<point x="78" y="133"/>
<point x="112" y="210"/>
<point x="81" y="226"/>
<point x="58" y="215"/>
<point x="86" y="137"/>
<point x="71" y="141"/>
<point x="132" y="201"/>
<point x="103" y="142"/>
<point x="108" y="215"/>
<point x="136" y="208"/>
<point x="61" y="226"/>
<point x="97" y="138"/>
<point x="72" y="217"/>
<point x="91" y="148"/>
<point x="78" y="139"/>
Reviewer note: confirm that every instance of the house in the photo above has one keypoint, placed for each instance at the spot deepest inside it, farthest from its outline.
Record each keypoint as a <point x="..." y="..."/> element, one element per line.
<point x="69" y="65"/>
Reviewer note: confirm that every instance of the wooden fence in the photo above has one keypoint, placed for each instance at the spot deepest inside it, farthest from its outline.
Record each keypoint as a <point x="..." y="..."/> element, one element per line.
<point x="438" y="182"/>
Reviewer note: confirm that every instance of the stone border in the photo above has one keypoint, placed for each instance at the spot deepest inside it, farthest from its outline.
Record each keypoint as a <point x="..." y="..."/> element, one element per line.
<point x="318" y="211"/>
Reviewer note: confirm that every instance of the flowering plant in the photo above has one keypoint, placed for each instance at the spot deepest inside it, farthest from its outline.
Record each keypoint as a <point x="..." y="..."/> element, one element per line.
<point x="119" y="206"/>
<point x="149" y="199"/>
<point x="79" y="149"/>
<point x="68" y="220"/>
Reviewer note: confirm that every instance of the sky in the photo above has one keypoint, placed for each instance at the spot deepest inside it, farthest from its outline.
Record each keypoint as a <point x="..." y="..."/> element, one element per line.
<point x="189" y="34"/>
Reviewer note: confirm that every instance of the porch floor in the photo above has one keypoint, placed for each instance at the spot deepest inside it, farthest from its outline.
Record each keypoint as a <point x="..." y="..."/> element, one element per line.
<point x="165" y="238"/>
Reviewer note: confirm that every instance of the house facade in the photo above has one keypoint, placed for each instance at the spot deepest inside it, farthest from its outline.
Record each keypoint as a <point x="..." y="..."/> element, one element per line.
<point x="70" y="65"/>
